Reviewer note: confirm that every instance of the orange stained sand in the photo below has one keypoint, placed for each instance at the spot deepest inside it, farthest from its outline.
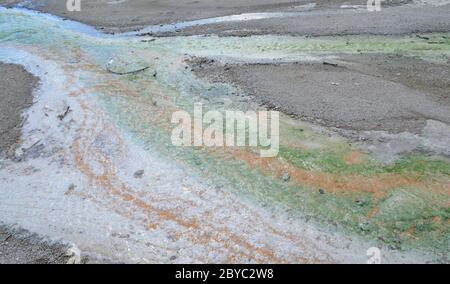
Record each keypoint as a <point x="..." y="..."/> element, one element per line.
<point x="410" y="233"/>
<point x="373" y="212"/>
<point x="378" y="185"/>
<point x="436" y="219"/>
<point x="353" y="158"/>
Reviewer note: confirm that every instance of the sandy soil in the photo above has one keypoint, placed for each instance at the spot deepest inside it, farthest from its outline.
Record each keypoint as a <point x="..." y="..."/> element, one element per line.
<point x="128" y="15"/>
<point x="15" y="96"/>
<point x="392" y="93"/>
<point x="325" y="18"/>
<point x="335" y="22"/>
<point x="19" y="246"/>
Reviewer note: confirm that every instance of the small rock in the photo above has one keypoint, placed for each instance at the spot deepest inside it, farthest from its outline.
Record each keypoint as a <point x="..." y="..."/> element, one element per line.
<point x="361" y="202"/>
<point x="365" y="226"/>
<point x="395" y="244"/>
<point x="321" y="191"/>
<point x="286" y="177"/>
<point x="139" y="174"/>
<point x="330" y="64"/>
<point x="70" y="189"/>
<point x="65" y="113"/>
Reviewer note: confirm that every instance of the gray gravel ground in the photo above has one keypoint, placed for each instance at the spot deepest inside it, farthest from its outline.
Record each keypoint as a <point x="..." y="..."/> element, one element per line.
<point x="16" y="87"/>
<point x="336" y="22"/>
<point x="19" y="246"/>
<point x="127" y="15"/>
<point x="326" y="18"/>
<point x="393" y="94"/>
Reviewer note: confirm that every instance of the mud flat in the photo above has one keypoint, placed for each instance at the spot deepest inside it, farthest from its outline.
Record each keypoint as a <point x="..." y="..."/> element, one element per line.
<point x="15" y="96"/>
<point x="127" y="15"/>
<point x="359" y="93"/>
<point x="19" y="246"/>
<point x="315" y="18"/>
<point x="397" y="20"/>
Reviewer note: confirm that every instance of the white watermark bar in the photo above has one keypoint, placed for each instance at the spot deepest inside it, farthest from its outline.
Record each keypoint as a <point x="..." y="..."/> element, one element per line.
<point x="374" y="5"/>
<point x="232" y="129"/>
<point x="373" y="255"/>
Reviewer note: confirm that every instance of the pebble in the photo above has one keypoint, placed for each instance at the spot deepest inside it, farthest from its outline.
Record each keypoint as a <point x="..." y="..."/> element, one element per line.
<point x="139" y="174"/>
<point x="286" y="177"/>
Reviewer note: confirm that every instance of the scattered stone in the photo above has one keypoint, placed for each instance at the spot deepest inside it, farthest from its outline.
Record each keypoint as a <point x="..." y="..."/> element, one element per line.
<point x="321" y="191"/>
<point x="19" y="246"/>
<point x="148" y="40"/>
<point x="33" y="152"/>
<point x="139" y="174"/>
<point x="120" y="235"/>
<point x="123" y="66"/>
<point x="64" y="114"/>
<point x="423" y="37"/>
<point x="330" y="64"/>
<point x="172" y="237"/>
<point x="70" y="189"/>
<point x="361" y="202"/>
<point x="396" y="243"/>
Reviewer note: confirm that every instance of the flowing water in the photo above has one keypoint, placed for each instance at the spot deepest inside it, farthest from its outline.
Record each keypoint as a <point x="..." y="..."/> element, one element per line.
<point x="202" y="204"/>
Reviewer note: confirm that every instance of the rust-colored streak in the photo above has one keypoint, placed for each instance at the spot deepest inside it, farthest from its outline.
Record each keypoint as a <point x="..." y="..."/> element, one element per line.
<point x="353" y="158"/>
<point x="378" y="185"/>
<point x="110" y="184"/>
<point x="373" y="212"/>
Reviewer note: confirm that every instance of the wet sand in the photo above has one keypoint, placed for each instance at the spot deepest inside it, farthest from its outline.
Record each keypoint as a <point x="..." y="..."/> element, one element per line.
<point x="15" y="96"/>
<point x="19" y="246"/>
<point x="397" y="20"/>
<point x="128" y="15"/>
